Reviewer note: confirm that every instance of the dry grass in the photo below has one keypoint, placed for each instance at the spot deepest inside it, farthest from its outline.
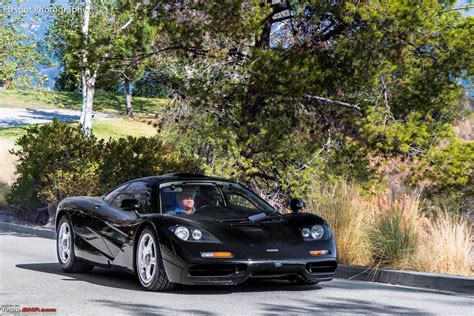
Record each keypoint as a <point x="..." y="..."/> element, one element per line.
<point x="347" y="214"/>
<point x="444" y="246"/>
<point x="390" y="230"/>
<point x="7" y="170"/>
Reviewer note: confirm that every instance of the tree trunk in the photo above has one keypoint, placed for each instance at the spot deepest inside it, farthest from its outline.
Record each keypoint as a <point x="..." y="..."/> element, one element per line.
<point x="87" y="79"/>
<point x="84" y="97"/>
<point x="128" y="97"/>
<point x="90" y="90"/>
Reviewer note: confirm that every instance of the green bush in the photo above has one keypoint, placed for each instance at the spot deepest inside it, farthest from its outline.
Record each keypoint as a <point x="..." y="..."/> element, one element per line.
<point x="56" y="160"/>
<point x="450" y="169"/>
<point x="53" y="160"/>
<point x="393" y="238"/>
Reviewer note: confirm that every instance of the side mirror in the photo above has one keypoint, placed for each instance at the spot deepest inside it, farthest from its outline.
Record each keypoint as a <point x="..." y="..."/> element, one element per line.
<point x="296" y="205"/>
<point x="130" y="205"/>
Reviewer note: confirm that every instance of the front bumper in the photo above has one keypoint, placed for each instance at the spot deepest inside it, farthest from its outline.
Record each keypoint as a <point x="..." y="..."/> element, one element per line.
<point x="183" y="263"/>
<point x="233" y="272"/>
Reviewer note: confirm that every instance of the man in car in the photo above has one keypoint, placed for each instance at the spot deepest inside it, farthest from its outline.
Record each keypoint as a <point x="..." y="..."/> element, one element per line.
<point x="185" y="202"/>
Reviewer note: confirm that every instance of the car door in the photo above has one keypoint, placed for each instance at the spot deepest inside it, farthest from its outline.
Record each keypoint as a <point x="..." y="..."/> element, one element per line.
<point x="97" y="214"/>
<point x="117" y="225"/>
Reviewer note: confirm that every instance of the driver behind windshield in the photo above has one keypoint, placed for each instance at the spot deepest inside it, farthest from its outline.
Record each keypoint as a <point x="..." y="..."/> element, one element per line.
<point x="184" y="201"/>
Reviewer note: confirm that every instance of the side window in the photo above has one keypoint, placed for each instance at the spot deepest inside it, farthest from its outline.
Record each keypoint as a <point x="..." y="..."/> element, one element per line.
<point x="109" y="197"/>
<point x="140" y="190"/>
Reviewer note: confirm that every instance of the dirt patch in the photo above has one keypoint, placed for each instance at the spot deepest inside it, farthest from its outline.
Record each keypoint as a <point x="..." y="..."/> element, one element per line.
<point x="8" y="163"/>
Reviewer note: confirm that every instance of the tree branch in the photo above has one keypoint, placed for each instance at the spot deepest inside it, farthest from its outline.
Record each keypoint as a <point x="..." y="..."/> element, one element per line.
<point x="326" y="100"/>
<point x="131" y="17"/>
<point x="458" y="8"/>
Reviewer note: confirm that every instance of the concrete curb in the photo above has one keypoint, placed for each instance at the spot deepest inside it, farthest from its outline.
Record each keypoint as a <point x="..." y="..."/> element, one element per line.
<point x="441" y="282"/>
<point x="43" y="232"/>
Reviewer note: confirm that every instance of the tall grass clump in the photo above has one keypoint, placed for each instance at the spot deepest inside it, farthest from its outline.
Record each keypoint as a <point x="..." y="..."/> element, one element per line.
<point x="394" y="232"/>
<point x="342" y="205"/>
<point x="445" y="247"/>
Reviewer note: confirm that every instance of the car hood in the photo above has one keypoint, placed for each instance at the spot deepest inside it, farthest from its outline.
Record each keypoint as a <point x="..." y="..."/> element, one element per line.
<point x="284" y="229"/>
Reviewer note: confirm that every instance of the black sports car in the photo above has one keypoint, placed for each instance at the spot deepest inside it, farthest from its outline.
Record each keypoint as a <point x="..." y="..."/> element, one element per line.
<point x="192" y="229"/>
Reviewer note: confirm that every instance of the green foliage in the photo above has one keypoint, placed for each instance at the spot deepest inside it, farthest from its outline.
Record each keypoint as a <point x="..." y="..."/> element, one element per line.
<point x="56" y="160"/>
<point x="393" y="238"/>
<point x="124" y="159"/>
<point x="450" y="168"/>
<point x="342" y="88"/>
<point x="19" y="52"/>
<point x="155" y="84"/>
<point x="53" y="160"/>
<point x="67" y="82"/>
<point x="410" y="137"/>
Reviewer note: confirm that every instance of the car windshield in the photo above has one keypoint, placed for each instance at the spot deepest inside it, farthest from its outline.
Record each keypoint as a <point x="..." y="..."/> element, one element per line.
<point x="220" y="201"/>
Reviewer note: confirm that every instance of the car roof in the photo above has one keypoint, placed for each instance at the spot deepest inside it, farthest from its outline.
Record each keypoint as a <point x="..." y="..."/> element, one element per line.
<point x="179" y="176"/>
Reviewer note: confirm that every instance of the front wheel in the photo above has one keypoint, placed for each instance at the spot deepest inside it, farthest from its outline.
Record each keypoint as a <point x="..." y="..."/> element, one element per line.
<point x="149" y="264"/>
<point x="65" y="248"/>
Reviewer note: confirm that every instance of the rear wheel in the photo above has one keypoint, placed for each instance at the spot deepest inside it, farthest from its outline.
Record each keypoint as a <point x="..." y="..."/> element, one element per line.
<point x="65" y="249"/>
<point x="149" y="264"/>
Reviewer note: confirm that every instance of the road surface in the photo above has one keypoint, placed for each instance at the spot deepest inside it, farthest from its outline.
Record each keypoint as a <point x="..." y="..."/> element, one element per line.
<point x="13" y="117"/>
<point x="30" y="277"/>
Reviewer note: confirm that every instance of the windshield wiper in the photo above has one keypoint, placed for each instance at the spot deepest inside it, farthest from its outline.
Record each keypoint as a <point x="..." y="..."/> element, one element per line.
<point x="264" y="216"/>
<point x="253" y="218"/>
<point x="232" y="220"/>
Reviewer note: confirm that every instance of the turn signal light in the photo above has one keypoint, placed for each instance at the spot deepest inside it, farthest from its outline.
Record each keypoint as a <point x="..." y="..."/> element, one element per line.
<point x="217" y="254"/>
<point x="319" y="252"/>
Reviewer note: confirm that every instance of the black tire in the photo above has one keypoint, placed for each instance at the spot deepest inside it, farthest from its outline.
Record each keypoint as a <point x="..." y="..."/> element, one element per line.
<point x="69" y="263"/>
<point x="159" y="280"/>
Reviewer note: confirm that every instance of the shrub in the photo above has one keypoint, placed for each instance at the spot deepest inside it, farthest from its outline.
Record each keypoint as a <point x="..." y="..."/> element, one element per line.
<point x="343" y="207"/>
<point x="394" y="231"/>
<point x="4" y="191"/>
<point x="127" y="158"/>
<point x="449" y="170"/>
<point x="52" y="161"/>
<point x="56" y="160"/>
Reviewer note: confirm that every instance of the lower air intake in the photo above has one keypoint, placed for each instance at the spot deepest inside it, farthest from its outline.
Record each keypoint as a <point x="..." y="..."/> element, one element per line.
<point x="216" y="270"/>
<point x="321" y="267"/>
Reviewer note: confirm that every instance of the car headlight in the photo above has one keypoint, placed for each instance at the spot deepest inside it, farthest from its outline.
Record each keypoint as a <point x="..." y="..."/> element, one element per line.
<point x="317" y="232"/>
<point x="314" y="233"/>
<point x="306" y="232"/>
<point x="197" y="234"/>
<point x="182" y="232"/>
<point x="192" y="234"/>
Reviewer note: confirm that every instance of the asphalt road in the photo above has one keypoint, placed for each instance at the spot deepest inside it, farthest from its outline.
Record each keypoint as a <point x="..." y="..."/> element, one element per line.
<point x="12" y="117"/>
<point x="30" y="277"/>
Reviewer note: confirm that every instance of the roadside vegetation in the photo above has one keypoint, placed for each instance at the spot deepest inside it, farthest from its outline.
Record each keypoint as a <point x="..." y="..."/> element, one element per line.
<point x="393" y="229"/>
